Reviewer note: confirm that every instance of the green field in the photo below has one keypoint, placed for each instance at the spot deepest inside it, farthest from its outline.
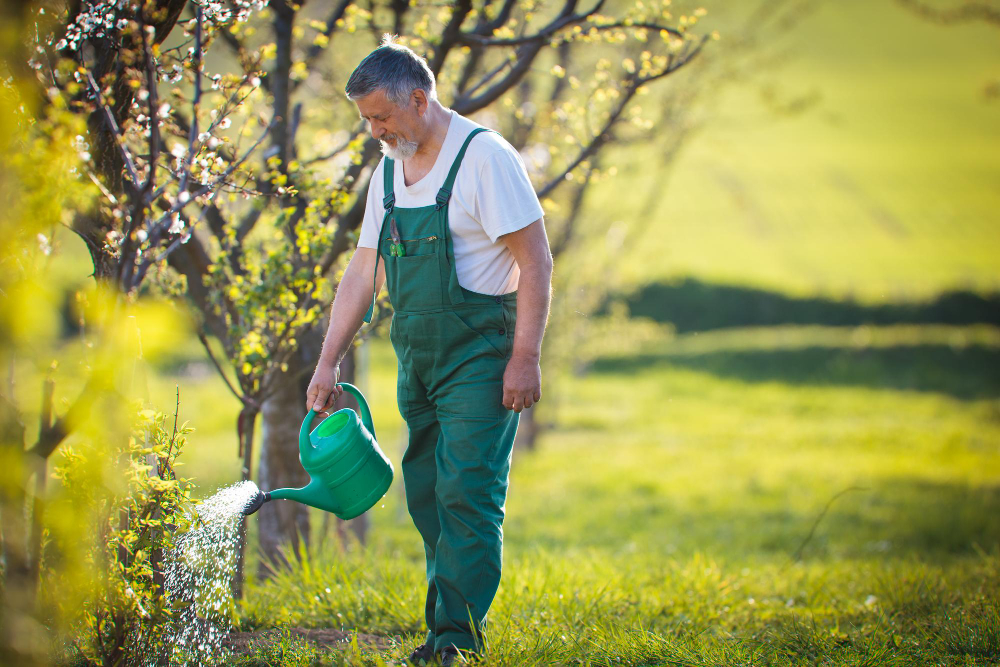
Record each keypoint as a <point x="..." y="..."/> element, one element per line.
<point x="884" y="188"/>
<point x="671" y="518"/>
<point x="676" y="514"/>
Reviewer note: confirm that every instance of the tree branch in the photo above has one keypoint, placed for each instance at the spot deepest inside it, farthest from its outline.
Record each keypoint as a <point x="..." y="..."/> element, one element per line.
<point x="487" y="27"/>
<point x="218" y="367"/>
<point x="603" y="136"/>
<point x="968" y="11"/>
<point x="561" y="243"/>
<point x="450" y="36"/>
<point x="526" y="55"/>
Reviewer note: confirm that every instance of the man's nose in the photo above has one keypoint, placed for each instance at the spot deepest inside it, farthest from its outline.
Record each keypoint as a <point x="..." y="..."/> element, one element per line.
<point x="377" y="131"/>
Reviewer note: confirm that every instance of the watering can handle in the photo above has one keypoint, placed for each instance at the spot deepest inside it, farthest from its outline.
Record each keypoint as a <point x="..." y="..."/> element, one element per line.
<point x="366" y="415"/>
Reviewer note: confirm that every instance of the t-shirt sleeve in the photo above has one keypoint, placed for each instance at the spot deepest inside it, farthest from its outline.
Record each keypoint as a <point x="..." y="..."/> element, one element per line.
<point x="373" y="210"/>
<point x="505" y="199"/>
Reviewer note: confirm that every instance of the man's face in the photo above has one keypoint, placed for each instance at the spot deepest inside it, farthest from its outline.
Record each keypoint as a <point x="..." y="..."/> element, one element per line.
<point x="396" y="128"/>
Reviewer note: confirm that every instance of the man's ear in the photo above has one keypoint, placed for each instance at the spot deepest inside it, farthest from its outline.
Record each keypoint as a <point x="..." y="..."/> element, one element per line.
<point x="420" y="99"/>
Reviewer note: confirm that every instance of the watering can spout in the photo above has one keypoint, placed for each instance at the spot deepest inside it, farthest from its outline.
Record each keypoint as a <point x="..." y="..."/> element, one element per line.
<point x="314" y="494"/>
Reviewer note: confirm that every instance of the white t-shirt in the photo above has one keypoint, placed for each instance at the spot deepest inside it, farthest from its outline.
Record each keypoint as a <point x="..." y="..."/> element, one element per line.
<point x="492" y="196"/>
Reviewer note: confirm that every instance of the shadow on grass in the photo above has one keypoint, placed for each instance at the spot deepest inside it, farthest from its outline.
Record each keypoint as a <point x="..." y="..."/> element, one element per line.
<point x="693" y="305"/>
<point x="970" y="372"/>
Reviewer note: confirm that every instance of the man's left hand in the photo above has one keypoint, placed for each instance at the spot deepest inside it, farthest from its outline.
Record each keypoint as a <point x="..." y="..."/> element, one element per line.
<point x="522" y="383"/>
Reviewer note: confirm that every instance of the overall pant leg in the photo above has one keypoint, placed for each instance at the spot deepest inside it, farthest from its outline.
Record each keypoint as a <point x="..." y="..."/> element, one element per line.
<point x="473" y="466"/>
<point x="420" y="468"/>
<point x="419" y="479"/>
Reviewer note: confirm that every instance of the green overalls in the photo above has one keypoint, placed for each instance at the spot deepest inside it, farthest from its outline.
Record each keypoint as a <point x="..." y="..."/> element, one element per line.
<point x="452" y="346"/>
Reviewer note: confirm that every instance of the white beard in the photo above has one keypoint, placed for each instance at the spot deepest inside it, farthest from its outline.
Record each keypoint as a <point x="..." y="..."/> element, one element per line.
<point x="403" y="150"/>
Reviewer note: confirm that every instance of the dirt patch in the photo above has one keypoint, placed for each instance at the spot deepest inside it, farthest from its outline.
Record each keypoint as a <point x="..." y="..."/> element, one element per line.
<point x="239" y="642"/>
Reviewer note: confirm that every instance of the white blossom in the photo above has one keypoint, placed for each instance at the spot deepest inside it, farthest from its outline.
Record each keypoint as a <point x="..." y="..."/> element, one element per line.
<point x="176" y="224"/>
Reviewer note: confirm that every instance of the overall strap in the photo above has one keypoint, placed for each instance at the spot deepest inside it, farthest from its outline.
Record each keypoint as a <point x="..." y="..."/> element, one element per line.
<point x="449" y="273"/>
<point x="444" y="194"/>
<point x="388" y="186"/>
<point x="388" y="202"/>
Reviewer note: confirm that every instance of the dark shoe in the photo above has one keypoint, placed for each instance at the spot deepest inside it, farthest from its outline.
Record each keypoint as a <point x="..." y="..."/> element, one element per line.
<point x="451" y="656"/>
<point x="422" y="655"/>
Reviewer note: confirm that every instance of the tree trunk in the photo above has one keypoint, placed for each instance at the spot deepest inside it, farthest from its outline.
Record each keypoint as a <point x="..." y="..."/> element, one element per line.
<point x="281" y="523"/>
<point x="527" y="431"/>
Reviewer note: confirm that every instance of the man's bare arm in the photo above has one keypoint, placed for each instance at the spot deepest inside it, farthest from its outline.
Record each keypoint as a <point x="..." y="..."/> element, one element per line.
<point x="522" y="381"/>
<point x="354" y="295"/>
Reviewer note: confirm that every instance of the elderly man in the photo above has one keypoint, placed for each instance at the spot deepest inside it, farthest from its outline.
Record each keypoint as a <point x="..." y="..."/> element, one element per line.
<point x="453" y="227"/>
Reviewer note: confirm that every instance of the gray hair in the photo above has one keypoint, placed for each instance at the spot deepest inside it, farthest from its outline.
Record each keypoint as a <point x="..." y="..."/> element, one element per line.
<point x="393" y="68"/>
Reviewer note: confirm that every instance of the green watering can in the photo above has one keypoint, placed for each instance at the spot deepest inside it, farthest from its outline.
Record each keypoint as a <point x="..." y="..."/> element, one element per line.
<point x="348" y="471"/>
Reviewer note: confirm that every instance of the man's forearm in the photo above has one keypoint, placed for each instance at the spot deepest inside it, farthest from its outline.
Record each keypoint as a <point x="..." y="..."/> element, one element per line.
<point x="354" y="296"/>
<point x="533" y="297"/>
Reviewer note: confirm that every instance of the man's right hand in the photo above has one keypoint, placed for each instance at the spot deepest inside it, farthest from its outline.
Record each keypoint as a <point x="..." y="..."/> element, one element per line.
<point x="323" y="390"/>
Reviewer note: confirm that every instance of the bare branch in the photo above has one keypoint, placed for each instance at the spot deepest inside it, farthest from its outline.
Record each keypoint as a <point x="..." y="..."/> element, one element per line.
<point x="336" y="151"/>
<point x="115" y="130"/>
<point x="526" y="55"/>
<point x="565" y="236"/>
<point x="486" y="78"/>
<point x="965" y="12"/>
<point x="50" y="438"/>
<point x="487" y="27"/>
<point x="450" y="36"/>
<point x="564" y="19"/>
<point x="218" y="366"/>
<point x="154" y="125"/>
<point x="205" y="189"/>
<point x="603" y="136"/>
<point x="193" y="134"/>
<point x="193" y="262"/>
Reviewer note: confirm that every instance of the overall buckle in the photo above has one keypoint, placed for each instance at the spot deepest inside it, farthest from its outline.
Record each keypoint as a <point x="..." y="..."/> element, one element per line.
<point x="443" y="195"/>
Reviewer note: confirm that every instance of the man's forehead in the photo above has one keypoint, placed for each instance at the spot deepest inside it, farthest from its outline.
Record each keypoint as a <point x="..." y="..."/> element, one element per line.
<point x="374" y="103"/>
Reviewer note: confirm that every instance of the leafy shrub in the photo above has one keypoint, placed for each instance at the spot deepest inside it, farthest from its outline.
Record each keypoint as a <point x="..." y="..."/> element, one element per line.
<point x="126" y="616"/>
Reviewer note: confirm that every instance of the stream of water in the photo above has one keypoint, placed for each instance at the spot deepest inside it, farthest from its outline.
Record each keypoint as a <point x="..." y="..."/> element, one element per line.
<point x="199" y="572"/>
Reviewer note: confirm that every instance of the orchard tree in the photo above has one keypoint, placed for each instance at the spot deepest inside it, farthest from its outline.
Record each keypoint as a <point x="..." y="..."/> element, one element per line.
<point x="86" y="144"/>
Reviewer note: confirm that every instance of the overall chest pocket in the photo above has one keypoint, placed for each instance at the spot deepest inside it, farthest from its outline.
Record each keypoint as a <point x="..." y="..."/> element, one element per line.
<point x="414" y="280"/>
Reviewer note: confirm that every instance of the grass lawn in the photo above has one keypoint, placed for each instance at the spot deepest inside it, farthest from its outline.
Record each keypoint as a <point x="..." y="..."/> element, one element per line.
<point x="769" y="496"/>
